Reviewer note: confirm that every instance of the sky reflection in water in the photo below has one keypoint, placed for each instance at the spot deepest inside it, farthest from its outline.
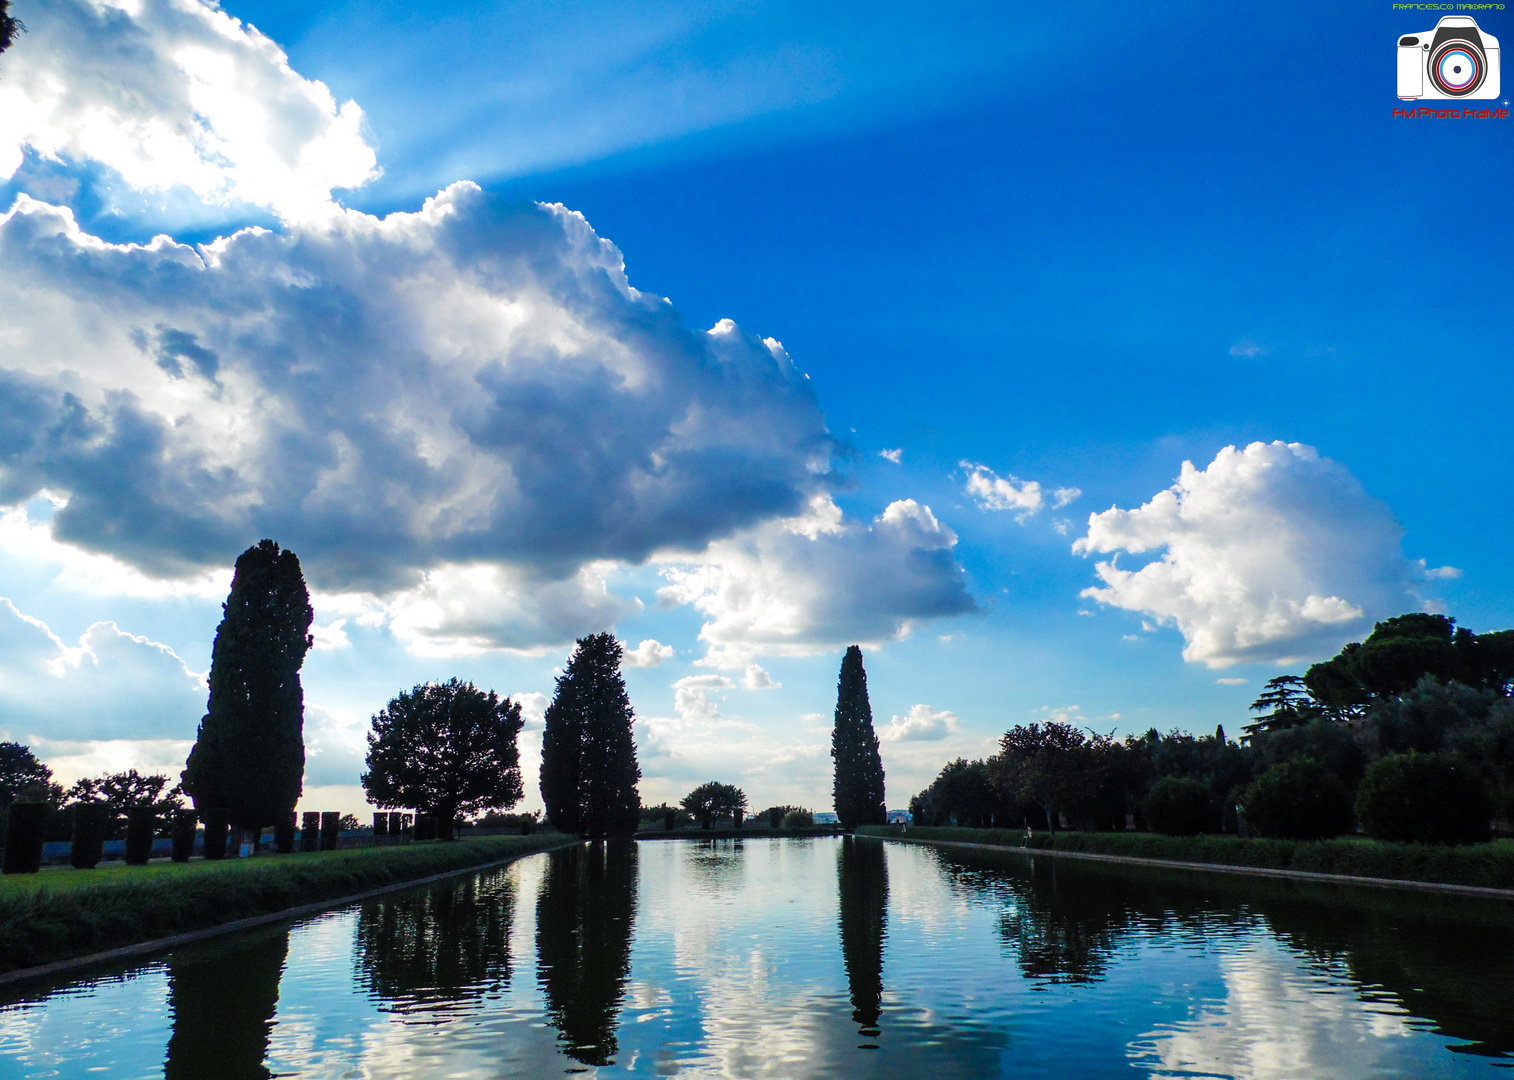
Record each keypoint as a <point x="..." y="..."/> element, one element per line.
<point x="808" y="958"/>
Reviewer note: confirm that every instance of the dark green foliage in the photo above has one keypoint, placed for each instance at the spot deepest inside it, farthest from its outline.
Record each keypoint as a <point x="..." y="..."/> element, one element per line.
<point x="398" y="823"/>
<point x="88" y="841"/>
<point x="1424" y="798"/>
<point x="1285" y="703"/>
<point x="713" y="800"/>
<point x="141" y="824"/>
<point x="585" y="914"/>
<point x="217" y="821"/>
<point x="184" y="828"/>
<point x="799" y="818"/>
<point x="223" y="996"/>
<point x="1329" y="742"/>
<point x="310" y="831"/>
<point x="588" y="766"/>
<point x="1179" y="806"/>
<point x="23" y="776"/>
<point x="119" y="792"/>
<point x="670" y="819"/>
<point x="1297" y="800"/>
<point x="425" y="827"/>
<point x="1053" y="766"/>
<point x="10" y="26"/>
<point x="39" y="924"/>
<point x="1216" y="763"/>
<point x="283" y="834"/>
<point x="862" y="885"/>
<point x="963" y="793"/>
<point x="774" y="815"/>
<point x="1403" y="650"/>
<point x="445" y="749"/>
<point x="442" y="947"/>
<point x="249" y="753"/>
<point x="25" y="833"/>
<point x="857" y="788"/>
<point x="331" y="829"/>
<point x="380" y="824"/>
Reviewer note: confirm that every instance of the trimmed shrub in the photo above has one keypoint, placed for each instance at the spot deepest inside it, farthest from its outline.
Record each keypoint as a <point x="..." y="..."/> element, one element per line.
<point x="1424" y="798"/>
<point x="397" y="823"/>
<point x="217" y="821"/>
<point x="527" y="824"/>
<point x="25" y="833"/>
<point x="331" y="829"/>
<point x="141" y="823"/>
<point x="184" y="828"/>
<point x="283" y="834"/>
<point x="381" y="825"/>
<point x="670" y="819"/>
<point x="1179" y="806"/>
<point x="798" y="819"/>
<point x="90" y="820"/>
<point x="1297" y="800"/>
<point x="425" y="827"/>
<point x="310" y="831"/>
<point x="775" y="817"/>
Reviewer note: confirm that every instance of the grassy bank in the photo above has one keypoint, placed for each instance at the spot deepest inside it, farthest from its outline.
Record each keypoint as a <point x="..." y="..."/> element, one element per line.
<point x="60" y="914"/>
<point x="1487" y="865"/>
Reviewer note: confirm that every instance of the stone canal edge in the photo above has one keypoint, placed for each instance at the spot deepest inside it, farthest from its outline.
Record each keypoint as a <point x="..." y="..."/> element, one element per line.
<point x="1222" y="868"/>
<point x="174" y="941"/>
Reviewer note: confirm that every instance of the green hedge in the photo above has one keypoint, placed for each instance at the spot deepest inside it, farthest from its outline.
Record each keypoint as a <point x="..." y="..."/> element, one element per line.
<point x="63" y="913"/>
<point x="1488" y="865"/>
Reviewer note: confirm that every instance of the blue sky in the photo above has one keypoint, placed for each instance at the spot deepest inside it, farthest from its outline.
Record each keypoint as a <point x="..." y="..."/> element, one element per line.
<point x="1026" y="253"/>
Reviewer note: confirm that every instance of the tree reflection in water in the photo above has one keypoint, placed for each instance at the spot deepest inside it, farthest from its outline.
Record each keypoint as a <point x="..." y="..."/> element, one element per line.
<point x="438" y="948"/>
<point x="222" y="997"/>
<point x="584" y="918"/>
<point x="862" y="880"/>
<point x="1435" y="955"/>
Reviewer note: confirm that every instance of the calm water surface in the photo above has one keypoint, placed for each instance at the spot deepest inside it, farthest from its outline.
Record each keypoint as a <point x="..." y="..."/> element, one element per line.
<point x="809" y="958"/>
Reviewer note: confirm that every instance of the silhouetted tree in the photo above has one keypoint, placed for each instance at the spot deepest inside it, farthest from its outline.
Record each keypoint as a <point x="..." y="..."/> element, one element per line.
<point x="862" y="884"/>
<point x="119" y="792"/>
<point x="858" y="785"/>
<point x="22" y="774"/>
<point x="1285" y="703"/>
<point x="222" y="998"/>
<point x="249" y="754"/>
<point x="1402" y="650"/>
<point x="588" y="764"/>
<point x="1053" y="765"/>
<point x="9" y="26"/>
<point x="445" y="749"/>
<point x="585" y="913"/>
<point x="714" y="800"/>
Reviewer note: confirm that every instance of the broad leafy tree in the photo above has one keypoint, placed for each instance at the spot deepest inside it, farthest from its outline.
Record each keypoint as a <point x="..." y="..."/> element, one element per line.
<point x="23" y="776"/>
<point x="711" y="801"/>
<point x="249" y="754"/>
<point x="122" y="791"/>
<point x="446" y="749"/>
<point x="1404" y="649"/>
<point x="588" y="760"/>
<point x="1053" y="765"/>
<point x="858" y="784"/>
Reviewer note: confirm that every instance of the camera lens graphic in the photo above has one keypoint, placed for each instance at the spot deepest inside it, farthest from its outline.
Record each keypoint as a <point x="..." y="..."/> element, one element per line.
<point x="1457" y="68"/>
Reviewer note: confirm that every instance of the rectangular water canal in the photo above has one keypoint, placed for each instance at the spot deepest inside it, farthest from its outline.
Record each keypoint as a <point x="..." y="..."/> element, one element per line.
<point x="809" y="958"/>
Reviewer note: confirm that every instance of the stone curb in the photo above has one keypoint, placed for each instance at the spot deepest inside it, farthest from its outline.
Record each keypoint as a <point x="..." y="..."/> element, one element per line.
<point x="173" y="941"/>
<point x="1225" y="868"/>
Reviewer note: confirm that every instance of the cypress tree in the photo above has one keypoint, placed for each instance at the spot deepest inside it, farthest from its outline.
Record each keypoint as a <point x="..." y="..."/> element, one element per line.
<point x="249" y="754"/>
<point x="858" y="787"/>
<point x="589" y="770"/>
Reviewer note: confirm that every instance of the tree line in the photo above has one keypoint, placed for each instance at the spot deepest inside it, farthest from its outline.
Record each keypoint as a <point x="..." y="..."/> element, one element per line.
<point x="1408" y="735"/>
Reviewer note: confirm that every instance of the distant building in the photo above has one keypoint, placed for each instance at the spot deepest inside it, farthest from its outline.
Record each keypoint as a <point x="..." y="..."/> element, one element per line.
<point x="900" y="817"/>
<point x="825" y="817"/>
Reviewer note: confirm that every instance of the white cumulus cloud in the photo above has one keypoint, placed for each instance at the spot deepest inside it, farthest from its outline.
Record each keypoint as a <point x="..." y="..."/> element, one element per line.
<point x="1271" y="553"/>
<point x="995" y="492"/>
<point x="176" y="94"/>
<point x="920" y="724"/>
<point x="649" y="654"/>
<point x="809" y="583"/>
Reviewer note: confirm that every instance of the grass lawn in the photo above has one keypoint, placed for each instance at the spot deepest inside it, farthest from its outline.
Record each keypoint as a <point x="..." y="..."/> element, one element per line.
<point x="57" y="914"/>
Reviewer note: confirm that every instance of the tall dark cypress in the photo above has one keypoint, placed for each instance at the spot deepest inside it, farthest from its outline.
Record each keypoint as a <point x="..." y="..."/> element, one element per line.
<point x="858" y="787"/>
<point x="588" y="769"/>
<point x="249" y="754"/>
